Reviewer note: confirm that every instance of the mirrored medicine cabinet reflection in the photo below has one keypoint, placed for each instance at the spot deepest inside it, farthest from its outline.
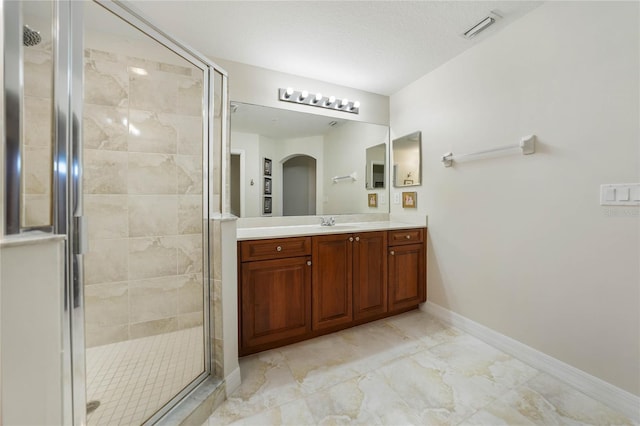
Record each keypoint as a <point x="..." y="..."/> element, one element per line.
<point x="407" y="160"/>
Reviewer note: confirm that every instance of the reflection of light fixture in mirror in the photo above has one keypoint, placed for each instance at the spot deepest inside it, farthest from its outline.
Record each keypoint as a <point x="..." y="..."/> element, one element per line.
<point x="134" y="130"/>
<point x="317" y="100"/>
<point x="139" y="71"/>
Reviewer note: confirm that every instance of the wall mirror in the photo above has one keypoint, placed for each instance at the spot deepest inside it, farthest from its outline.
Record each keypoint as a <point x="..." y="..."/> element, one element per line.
<point x="407" y="157"/>
<point x="318" y="165"/>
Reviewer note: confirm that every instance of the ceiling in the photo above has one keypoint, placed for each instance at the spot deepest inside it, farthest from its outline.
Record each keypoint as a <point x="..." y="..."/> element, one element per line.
<point x="375" y="46"/>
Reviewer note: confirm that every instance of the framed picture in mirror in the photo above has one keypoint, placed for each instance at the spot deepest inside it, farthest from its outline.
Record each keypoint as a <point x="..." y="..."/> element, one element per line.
<point x="266" y="206"/>
<point x="267" y="186"/>
<point x="267" y="166"/>
<point x="373" y="200"/>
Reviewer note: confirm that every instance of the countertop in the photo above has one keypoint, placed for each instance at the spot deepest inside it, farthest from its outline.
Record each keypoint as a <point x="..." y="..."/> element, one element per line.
<point x="265" y="232"/>
<point x="28" y="238"/>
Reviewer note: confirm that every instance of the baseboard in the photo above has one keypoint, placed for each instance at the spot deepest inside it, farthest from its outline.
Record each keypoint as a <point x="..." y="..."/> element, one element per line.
<point x="616" y="398"/>
<point x="232" y="381"/>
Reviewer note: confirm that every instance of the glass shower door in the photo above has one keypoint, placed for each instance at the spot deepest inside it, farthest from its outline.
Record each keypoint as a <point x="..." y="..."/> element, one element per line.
<point x="145" y="271"/>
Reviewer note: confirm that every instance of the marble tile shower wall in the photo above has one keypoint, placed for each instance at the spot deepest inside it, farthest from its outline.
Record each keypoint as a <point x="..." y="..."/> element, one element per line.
<point x="143" y="197"/>
<point x="37" y="140"/>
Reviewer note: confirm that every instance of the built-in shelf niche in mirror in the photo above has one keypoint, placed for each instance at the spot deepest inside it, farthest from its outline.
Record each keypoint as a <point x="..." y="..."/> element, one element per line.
<point x="407" y="160"/>
<point x="338" y="146"/>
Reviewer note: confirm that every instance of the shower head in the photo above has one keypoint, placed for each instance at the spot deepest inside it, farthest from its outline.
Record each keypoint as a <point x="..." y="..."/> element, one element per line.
<point x="30" y="37"/>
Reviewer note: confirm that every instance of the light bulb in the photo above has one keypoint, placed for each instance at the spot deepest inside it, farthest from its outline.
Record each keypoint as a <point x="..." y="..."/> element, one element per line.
<point x="344" y="102"/>
<point x="288" y="92"/>
<point x="331" y="100"/>
<point x="356" y="104"/>
<point x="303" y="95"/>
<point x="317" y="98"/>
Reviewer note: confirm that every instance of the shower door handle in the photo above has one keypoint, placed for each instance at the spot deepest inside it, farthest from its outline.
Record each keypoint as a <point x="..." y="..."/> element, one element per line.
<point x="80" y="243"/>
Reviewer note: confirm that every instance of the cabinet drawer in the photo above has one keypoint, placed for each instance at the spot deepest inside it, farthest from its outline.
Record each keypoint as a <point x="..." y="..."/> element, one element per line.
<point x="406" y="236"/>
<point x="275" y="248"/>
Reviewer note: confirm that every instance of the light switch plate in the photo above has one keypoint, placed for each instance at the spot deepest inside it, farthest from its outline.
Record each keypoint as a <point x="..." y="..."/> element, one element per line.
<point x="396" y="198"/>
<point x="620" y="194"/>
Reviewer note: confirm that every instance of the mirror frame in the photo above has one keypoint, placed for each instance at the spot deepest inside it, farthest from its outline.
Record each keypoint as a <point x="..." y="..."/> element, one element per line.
<point x="409" y="136"/>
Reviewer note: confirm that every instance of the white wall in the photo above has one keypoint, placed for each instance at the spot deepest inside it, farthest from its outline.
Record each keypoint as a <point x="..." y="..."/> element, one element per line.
<point x="520" y="243"/>
<point x="259" y="86"/>
<point x="32" y="277"/>
<point x="249" y="143"/>
<point x="344" y="153"/>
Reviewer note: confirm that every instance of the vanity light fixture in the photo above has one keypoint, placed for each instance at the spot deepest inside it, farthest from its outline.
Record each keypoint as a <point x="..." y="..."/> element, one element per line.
<point x="318" y="100"/>
<point x="330" y="101"/>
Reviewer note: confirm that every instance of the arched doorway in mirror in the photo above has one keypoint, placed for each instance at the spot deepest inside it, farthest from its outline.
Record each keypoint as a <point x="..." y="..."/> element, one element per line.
<point x="299" y="186"/>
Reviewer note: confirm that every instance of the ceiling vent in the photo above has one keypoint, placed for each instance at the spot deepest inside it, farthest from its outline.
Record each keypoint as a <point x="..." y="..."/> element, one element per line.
<point x="482" y="25"/>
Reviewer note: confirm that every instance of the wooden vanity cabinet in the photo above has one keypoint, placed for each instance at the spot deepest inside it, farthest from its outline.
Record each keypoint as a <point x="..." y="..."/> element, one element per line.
<point x="292" y="289"/>
<point x="274" y="292"/>
<point x="370" y="275"/>
<point x="407" y="269"/>
<point x="332" y="280"/>
<point x="349" y="278"/>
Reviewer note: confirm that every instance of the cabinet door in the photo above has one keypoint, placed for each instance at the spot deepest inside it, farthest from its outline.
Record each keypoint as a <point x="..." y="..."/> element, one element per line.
<point x="369" y="274"/>
<point x="407" y="280"/>
<point x="332" y="280"/>
<point x="276" y="300"/>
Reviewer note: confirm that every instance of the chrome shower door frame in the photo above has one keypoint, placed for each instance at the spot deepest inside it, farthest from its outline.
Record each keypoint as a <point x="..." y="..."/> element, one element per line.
<point x="68" y="214"/>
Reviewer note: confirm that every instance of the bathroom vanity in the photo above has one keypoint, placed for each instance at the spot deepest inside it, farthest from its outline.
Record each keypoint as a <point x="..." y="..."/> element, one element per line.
<point x="314" y="280"/>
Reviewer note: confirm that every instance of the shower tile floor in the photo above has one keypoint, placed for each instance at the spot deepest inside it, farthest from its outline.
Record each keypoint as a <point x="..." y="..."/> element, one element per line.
<point x="134" y="378"/>
<point x="409" y="369"/>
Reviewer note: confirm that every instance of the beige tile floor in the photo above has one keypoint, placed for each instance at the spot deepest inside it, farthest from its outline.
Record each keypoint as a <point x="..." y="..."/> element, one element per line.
<point x="404" y="370"/>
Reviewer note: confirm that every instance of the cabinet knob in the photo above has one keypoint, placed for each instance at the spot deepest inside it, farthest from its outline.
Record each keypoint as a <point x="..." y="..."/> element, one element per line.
<point x="279" y="248"/>
<point x="357" y="238"/>
<point x="308" y="262"/>
<point x="393" y="253"/>
<point x="408" y="237"/>
<point x="350" y="238"/>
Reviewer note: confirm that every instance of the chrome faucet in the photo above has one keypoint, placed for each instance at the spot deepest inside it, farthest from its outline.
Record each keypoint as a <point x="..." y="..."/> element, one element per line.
<point x="330" y="221"/>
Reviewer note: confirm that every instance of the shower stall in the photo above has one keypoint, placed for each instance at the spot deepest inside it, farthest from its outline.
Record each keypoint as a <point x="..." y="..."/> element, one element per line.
<point x="114" y="135"/>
